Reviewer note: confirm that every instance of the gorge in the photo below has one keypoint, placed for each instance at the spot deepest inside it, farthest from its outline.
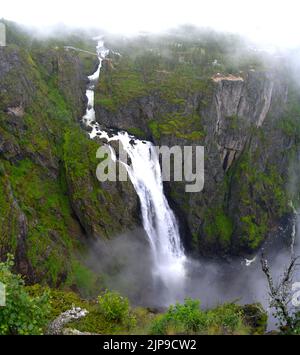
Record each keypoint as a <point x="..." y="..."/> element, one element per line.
<point x="159" y="221"/>
<point x="170" y="263"/>
<point x="146" y="238"/>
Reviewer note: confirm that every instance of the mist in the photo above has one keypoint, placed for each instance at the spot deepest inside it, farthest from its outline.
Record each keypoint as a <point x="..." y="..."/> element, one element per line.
<point x="272" y="24"/>
<point x="126" y="261"/>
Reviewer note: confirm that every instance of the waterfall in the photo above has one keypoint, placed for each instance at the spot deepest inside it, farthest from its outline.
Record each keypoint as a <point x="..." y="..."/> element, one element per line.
<point x="144" y="172"/>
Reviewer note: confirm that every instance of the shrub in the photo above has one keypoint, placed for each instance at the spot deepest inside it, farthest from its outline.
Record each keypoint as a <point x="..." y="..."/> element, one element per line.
<point x="60" y="300"/>
<point x="226" y="319"/>
<point x="181" y="318"/>
<point x="116" y="308"/>
<point x="22" y="313"/>
<point x="188" y="318"/>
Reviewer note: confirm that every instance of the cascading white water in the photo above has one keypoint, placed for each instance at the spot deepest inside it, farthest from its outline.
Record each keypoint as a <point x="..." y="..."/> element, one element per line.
<point x="158" y="219"/>
<point x="145" y="174"/>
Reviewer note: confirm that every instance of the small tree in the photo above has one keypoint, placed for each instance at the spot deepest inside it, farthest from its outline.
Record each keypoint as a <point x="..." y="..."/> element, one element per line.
<point x="116" y="308"/>
<point x="281" y="295"/>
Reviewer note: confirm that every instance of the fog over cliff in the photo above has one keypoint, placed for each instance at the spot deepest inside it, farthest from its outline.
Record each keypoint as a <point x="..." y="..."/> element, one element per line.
<point x="270" y="23"/>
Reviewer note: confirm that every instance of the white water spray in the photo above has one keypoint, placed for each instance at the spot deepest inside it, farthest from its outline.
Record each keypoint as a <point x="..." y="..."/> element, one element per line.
<point x="145" y="174"/>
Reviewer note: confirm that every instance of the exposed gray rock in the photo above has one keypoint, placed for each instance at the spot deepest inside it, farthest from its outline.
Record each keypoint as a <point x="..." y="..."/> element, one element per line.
<point x="17" y="88"/>
<point x="56" y="326"/>
<point x="16" y="111"/>
<point x="240" y="105"/>
<point x="71" y="331"/>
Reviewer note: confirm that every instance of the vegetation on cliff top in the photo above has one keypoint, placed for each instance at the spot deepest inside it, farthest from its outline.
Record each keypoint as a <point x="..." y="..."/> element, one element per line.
<point x="173" y="66"/>
<point x="174" y="69"/>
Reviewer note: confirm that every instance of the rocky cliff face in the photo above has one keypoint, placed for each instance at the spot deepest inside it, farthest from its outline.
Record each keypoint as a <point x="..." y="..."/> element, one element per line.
<point x="240" y="104"/>
<point x="239" y="206"/>
<point x="51" y="203"/>
<point x="238" y="118"/>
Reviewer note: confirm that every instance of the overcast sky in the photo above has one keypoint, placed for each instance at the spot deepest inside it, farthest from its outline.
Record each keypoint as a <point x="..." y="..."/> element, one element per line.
<point x="266" y="21"/>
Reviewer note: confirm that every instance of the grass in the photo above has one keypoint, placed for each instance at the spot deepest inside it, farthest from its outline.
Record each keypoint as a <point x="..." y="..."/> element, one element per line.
<point x="178" y="125"/>
<point x="218" y="227"/>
